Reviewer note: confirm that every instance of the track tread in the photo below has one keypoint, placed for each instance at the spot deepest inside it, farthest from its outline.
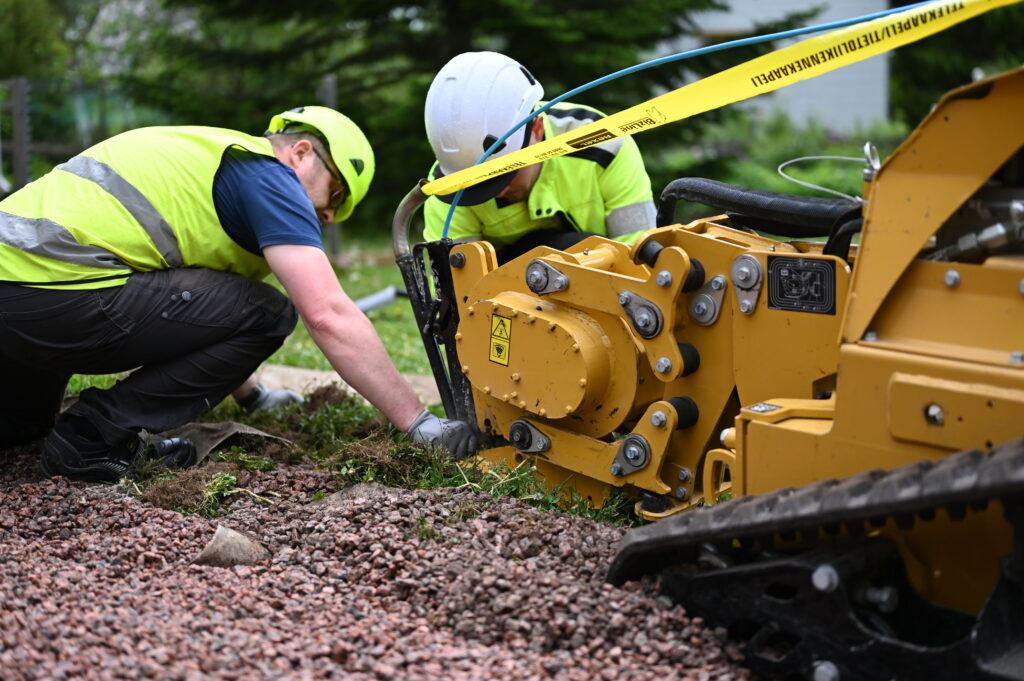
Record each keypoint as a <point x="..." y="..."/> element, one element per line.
<point x="963" y="478"/>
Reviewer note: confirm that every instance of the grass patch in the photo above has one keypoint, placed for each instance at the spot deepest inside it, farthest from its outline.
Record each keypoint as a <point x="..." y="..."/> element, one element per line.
<point x="522" y="483"/>
<point x="200" y="491"/>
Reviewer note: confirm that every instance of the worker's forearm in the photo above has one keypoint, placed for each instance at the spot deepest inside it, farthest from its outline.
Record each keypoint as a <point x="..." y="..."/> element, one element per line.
<point x="356" y="352"/>
<point x="244" y="390"/>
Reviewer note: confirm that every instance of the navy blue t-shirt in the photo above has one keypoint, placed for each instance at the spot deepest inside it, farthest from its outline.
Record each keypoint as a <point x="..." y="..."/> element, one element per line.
<point x="260" y="203"/>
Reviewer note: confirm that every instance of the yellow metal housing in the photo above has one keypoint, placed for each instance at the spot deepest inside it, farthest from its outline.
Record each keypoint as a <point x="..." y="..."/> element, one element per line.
<point x="895" y="358"/>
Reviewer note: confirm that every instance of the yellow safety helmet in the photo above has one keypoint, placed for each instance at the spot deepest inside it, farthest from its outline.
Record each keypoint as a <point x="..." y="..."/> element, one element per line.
<point x="346" y="143"/>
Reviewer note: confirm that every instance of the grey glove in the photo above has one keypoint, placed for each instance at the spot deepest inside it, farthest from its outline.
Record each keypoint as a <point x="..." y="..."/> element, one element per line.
<point x="455" y="436"/>
<point x="261" y="399"/>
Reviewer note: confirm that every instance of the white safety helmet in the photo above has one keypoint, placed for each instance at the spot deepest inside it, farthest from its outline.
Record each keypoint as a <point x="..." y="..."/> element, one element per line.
<point x="475" y="99"/>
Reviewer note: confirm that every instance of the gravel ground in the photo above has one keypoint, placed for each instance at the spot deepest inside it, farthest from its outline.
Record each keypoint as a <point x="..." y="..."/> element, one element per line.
<point x="443" y="584"/>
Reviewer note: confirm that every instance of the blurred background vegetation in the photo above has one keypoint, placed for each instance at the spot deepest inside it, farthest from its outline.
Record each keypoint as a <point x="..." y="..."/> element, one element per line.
<point x="98" y="67"/>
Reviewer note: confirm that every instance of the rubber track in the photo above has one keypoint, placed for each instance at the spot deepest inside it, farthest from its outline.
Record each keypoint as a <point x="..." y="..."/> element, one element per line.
<point x="965" y="478"/>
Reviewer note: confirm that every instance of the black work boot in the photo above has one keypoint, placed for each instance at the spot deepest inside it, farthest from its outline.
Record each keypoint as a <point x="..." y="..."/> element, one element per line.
<point x="66" y="452"/>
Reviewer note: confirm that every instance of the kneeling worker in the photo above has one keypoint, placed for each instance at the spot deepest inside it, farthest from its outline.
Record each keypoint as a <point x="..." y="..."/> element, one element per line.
<point x="475" y="99"/>
<point x="148" y="250"/>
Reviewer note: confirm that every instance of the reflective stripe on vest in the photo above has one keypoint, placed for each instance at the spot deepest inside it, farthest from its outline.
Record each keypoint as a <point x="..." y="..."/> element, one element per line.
<point x="140" y="201"/>
<point x="51" y="240"/>
<point x="137" y="205"/>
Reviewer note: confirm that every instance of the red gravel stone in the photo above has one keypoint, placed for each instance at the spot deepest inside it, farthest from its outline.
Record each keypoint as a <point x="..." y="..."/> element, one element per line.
<point x="443" y="584"/>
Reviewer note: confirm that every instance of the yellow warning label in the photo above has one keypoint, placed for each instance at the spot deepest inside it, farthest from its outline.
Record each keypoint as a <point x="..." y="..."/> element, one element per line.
<point x="499" y="351"/>
<point x="501" y="339"/>
<point x="499" y="327"/>
<point x="805" y="59"/>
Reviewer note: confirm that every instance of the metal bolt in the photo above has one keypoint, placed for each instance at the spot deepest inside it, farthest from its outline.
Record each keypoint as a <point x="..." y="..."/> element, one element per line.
<point x="684" y="475"/>
<point x="644" y="319"/>
<point x="746" y="306"/>
<point x="617" y="469"/>
<point x="632" y="452"/>
<point x="1017" y="212"/>
<point x="625" y="298"/>
<point x="457" y="260"/>
<point x="934" y="414"/>
<point x="825" y="578"/>
<point x="718" y="283"/>
<point x="699" y="309"/>
<point x="520" y="436"/>
<point x="561" y="282"/>
<point x="658" y="419"/>
<point x="1017" y="357"/>
<point x="664" y="279"/>
<point x="743" y="273"/>
<point x="952" y="278"/>
<point x="663" y="365"/>
<point x="826" y="671"/>
<point x="885" y="598"/>
<point x="536" y="277"/>
<point x="871" y="336"/>
<point x="682" y="493"/>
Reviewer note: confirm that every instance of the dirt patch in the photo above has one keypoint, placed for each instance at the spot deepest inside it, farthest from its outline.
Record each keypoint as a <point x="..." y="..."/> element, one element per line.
<point x="188" y="489"/>
<point x="328" y="394"/>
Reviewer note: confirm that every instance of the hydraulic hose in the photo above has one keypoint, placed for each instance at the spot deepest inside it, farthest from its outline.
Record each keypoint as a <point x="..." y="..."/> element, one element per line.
<point x="786" y="215"/>
<point x="403" y="216"/>
<point x="839" y="243"/>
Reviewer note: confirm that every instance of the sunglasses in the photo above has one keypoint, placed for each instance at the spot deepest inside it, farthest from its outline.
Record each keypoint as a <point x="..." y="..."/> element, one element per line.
<point x="338" y="195"/>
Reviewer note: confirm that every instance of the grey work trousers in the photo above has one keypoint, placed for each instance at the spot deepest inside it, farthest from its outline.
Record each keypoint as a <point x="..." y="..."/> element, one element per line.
<point x="192" y="336"/>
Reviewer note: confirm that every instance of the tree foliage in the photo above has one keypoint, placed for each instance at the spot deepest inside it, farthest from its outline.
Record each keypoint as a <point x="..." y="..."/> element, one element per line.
<point x="30" y="39"/>
<point x="924" y="71"/>
<point x="235" y="62"/>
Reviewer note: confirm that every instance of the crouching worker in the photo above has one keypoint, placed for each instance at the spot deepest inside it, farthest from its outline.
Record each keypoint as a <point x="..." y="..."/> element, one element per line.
<point x="148" y="250"/>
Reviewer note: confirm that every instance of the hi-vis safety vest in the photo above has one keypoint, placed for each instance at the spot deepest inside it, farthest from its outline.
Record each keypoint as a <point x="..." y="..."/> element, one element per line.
<point x="579" y="191"/>
<point x="137" y="202"/>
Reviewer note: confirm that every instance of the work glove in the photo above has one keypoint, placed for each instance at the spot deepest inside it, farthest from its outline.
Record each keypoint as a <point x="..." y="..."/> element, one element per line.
<point x="455" y="436"/>
<point x="261" y="399"/>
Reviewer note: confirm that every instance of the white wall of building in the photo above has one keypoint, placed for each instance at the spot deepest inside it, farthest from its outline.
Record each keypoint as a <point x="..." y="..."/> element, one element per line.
<point x="842" y="100"/>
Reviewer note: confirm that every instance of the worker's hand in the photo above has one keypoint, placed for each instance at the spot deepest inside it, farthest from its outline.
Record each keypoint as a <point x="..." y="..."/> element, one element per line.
<point x="455" y="436"/>
<point x="261" y="399"/>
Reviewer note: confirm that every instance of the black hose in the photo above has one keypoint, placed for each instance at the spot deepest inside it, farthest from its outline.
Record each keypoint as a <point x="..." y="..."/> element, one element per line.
<point x="787" y="215"/>
<point x="838" y="243"/>
<point x="843" y="229"/>
<point x="403" y="216"/>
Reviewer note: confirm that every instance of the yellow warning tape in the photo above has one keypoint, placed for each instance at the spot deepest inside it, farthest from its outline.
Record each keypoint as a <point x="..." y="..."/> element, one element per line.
<point x="806" y="59"/>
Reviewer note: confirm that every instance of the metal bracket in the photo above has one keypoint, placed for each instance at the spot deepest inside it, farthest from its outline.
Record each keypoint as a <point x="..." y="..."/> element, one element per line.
<point x="747" y="276"/>
<point x="634" y="454"/>
<point x="645" y="315"/>
<point x="526" y="438"/>
<point x="706" y="302"/>
<point x="542" y="278"/>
